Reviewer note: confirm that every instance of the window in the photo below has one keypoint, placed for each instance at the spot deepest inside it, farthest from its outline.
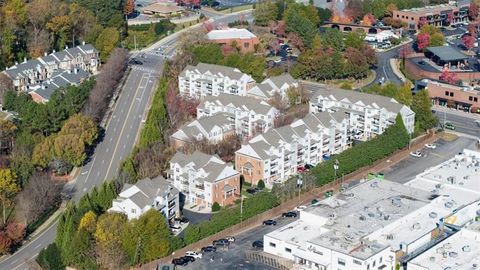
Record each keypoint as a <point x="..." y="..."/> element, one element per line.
<point x="470" y="98"/>
<point x="288" y="250"/>
<point x="133" y="211"/>
<point x="446" y="93"/>
<point x="380" y="260"/>
<point x="246" y="45"/>
<point x="451" y="94"/>
<point x="272" y="244"/>
<point x="357" y="262"/>
<point x="341" y="261"/>
<point x="475" y="99"/>
<point x="373" y="264"/>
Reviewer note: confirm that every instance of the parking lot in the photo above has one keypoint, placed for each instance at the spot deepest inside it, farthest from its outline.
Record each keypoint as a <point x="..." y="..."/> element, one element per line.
<point x="408" y="168"/>
<point x="233" y="258"/>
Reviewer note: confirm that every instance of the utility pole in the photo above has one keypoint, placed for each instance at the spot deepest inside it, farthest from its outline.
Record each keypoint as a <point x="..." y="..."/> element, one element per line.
<point x="135" y="41"/>
<point x="241" y="210"/>
<point x="335" y="168"/>
<point x="299" y="185"/>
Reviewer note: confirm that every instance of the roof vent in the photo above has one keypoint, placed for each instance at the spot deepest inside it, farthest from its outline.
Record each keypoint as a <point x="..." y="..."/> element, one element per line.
<point x="433" y="214"/>
<point x="453" y="254"/>
<point x="466" y="248"/>
<point x="416" y="226"/>
<point x="374" y="184"/>
<point x="390" y="236"/>
<point x="362" y="217"/>
<point x="448" y="204"/>
<point x="432" y="259"/>
<point x="397" y="201"/>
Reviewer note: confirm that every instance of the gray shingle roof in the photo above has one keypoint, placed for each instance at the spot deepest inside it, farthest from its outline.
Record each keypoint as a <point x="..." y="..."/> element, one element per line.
<point x="280" y="80"/>
<point x="244" y="103"/>
<point x="149" y="189"/>
<point x="221" y="71"/>
<point x="355" y="96"/>
<point x="447" y="53"/>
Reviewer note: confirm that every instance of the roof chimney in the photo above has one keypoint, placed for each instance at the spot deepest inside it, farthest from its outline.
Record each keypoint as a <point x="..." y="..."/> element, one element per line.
<point x="66" y="47"/>
<point x="24" y="60"/>
<point x="83" y="42"/>
<point x="53" y="51"/>
<point x="45" y="54"/>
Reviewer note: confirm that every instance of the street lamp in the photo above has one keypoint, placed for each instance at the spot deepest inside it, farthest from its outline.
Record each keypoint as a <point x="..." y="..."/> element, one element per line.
<point x="335" y="167"/>
<point x="299" y="185"/>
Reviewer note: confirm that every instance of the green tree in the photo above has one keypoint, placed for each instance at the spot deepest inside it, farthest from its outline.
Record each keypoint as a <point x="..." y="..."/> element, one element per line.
<point x="422" y="106"/>
<point x="215" y="207"/>
<point x="65" y="232"/>
<point x="324" y="14"/>
<point x="81" y="125"/>
<point x="106" y="42"/>
<point x="355" y="40"/>
<point x="49" y="258"/>
<point x="108" y="238"/>
<point x="210" y="53"/>
<point x="265" y="11"/>
<point x="333" y="38"/>
<point x="70" y="148"/>
<point x="83" y="255"/>
<point x="299" y="20"/>
<point x="261" y="184"/>
<point x="404" y="94"/>
<point x="437" y="39"/>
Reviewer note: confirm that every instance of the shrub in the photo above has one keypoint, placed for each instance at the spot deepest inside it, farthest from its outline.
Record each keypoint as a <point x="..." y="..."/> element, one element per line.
<point x="215" y="207"/>
<point x="261" y="184"/>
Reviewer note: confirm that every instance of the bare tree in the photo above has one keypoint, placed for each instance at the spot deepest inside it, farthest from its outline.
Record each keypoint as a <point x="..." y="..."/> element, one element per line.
<point x="106" y="83"/>
<point x="40" y="194"/>
<point x="5" y="85"/>
<point x="278" y="102"/>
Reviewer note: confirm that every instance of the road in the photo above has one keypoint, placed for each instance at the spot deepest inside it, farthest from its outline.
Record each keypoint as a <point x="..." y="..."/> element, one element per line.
<point x="463" y="124"/>
<point x="118" y="142"/>
<point x="383" y="68"/>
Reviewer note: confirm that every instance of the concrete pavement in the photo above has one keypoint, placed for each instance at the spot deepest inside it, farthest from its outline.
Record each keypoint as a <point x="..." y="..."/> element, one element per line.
<point x="119" y="140"/>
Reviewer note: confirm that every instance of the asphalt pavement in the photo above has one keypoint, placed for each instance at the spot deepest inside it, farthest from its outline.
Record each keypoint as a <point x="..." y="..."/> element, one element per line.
<point x="120" y="135"/>
<point x="234" y="258"/>
<point x="463" y="124"/>
<point x="383" y="68"/>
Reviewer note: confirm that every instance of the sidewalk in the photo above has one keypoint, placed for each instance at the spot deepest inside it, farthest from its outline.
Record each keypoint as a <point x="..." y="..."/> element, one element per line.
<point x="444" y="109"/>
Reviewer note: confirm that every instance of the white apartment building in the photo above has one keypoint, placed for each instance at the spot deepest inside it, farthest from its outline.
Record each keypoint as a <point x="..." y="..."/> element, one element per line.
<point x="204" y="179"/>
<point x="269" y="86"/>
<point x="146" y="194"/>
<point x="249" y="115"/>
<point x="207" y="79"/>
<point x="369" y="115"/>
<point x="278" y="153"/>
<point x="212" y="128"/>
<point x="35" y="73"/>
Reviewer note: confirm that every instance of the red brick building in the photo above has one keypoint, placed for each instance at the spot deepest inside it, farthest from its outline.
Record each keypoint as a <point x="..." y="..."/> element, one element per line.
<point x="454" y="96"/>
<point x="434" y="15"/>
<point x="241" y="38"/>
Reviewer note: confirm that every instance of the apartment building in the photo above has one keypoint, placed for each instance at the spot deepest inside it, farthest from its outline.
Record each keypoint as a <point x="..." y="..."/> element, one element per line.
<point x="278" y="153"/>
<point x="368" y="115"/>
<point x="269" y="86"/>
<point x="439" y="15"/>
<point x="213" y="129"/>
<point x="146" y="194"/>
<point x="211" y="80"/>
<point x="204" y="179"/>
<point x="241" y="38"/>
<point x="248" y="115"/>
<point x="45" y="74"/>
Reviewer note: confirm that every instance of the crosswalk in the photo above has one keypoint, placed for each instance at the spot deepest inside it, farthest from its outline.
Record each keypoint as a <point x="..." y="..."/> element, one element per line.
<point x="145" y="69"/>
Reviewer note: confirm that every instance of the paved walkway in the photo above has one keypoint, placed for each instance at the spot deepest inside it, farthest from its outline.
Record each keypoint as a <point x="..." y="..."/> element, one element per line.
<point x="444" y="109"/>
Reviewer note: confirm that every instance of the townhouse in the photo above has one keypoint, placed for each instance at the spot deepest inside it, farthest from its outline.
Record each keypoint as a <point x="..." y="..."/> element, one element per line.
<point x="213" y="129"/>
<point x="204" y="179"/>
<point x="266" y="89"/>
<point x="48" y="72"/>
<point x="248" y="115"/>
<point x="368" y="115"/>
<point x="146" y="194"/>
<point x="279" y="153"/>
<point x="207" y="79"/>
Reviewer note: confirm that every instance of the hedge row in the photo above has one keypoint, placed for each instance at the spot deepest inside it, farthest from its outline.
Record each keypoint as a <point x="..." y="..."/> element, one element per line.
<point x="228" y="217"/>
<point x="395" y="137"/>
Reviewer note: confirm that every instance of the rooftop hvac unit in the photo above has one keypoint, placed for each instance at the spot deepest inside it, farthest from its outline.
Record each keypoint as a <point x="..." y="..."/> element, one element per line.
<point x="432" y="259"/>
<point x="449" y="204"/>
<point x="466" y="248"/>
<point x="397" y="202"/>
<point x="390" y="236"/>
<point x="362" y="217"/>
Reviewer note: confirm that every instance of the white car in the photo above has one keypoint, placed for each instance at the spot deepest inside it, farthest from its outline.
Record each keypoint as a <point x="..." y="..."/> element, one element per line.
<point x="231" y="239"/>
<point x="430" y="145"/>
<point x="194" y="254"/>
<point x="416" y="154"/>
<point x="300" y="207"/>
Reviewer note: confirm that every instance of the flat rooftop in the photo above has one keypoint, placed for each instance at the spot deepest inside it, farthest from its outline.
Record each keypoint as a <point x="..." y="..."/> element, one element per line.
<point x="462" y="171"/>
<point x="429" y="10"/>
<point x="356" y="213"/>
<point x="461" y="251"/>
<point x="232" y="33"/>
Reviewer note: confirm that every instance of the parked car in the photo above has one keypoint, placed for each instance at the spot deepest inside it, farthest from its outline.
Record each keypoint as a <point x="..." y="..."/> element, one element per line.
<point x="477" y="122"/>
<point x="174" y="228"/>
<point x="231" y="239"/>
<point x="416" y="154"/>
<point x="422" y="63"/>
<point x="209" y="249"/>
<point x="189" y="258"/>
<point x="308" y="166"/>
<point x="257" y="244"/>
<point x="430" y="146"/>
<point x="196" y="255"/>
<point x="300" y="207"/>
<point x="182" y="220"/>
<point x="253" y="191"/>
<point x="449" y="125"/>
<point x="180" y="261"/>
<point x="221" y="242"/>
<point x="269" y="222"/>
<point x="289" y="214"/>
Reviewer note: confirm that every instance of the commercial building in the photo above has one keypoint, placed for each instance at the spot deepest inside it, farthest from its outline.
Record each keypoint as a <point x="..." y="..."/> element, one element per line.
<point x="279" y="153"/>
<point x="163" y="10"/>
<point x="146" y="194"/>
<point x="212" y="129"/>
<point x="278" y="84"/>
<point x="249" y="115"/>
<point x="446" y="56"/>
<point x="240" y="38"/>
<point x="41" y="76"/>
<point x="368" y="115"/>
<point x="439" y="15"/>
<point x="204" y="179"/>
<point x="211" y="80"/>
<point x="465" y="98"/>
<point x="459" y="252"/>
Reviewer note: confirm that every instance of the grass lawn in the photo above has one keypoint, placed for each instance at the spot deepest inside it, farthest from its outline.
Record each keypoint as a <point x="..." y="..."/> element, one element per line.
<point x="237" y="9"/>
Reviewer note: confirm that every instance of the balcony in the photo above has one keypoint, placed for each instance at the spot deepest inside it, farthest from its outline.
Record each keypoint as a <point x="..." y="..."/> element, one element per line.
<point x="201" y="196"/>
<point x="201" y="187"/>
<point x="185" y="183"/>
